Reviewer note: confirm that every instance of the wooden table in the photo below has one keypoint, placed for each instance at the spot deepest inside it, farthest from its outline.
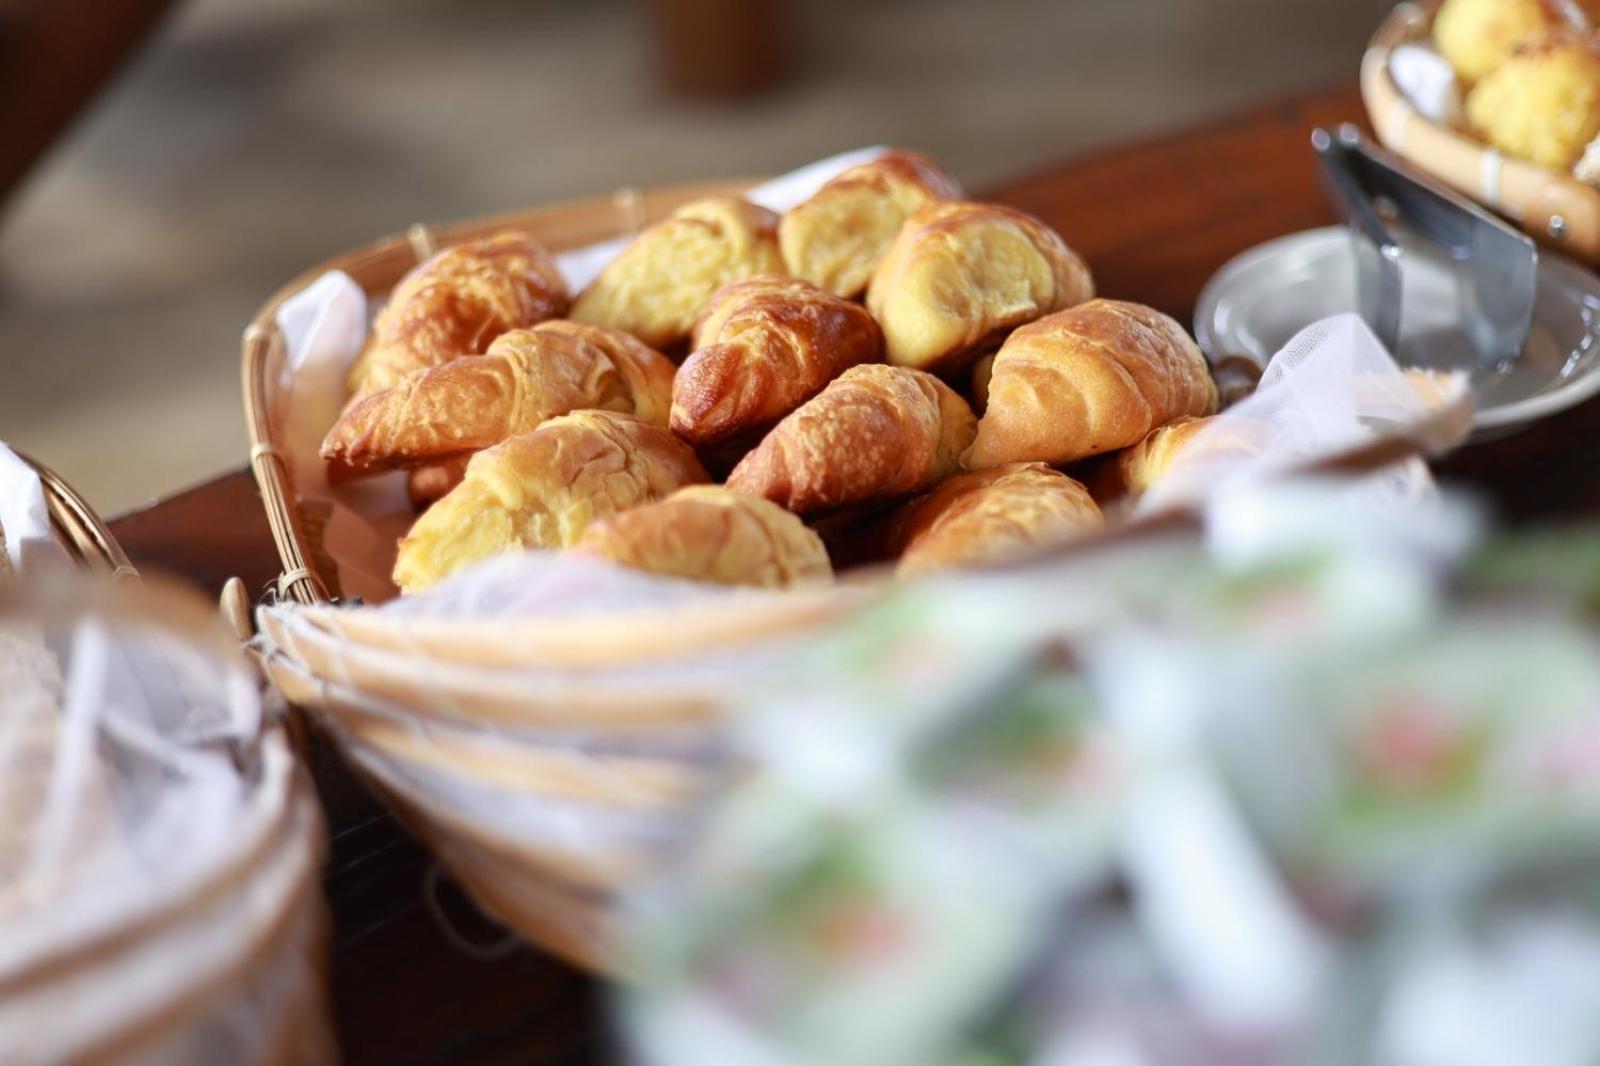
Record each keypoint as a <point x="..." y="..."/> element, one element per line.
<point x="1155" y="220"/>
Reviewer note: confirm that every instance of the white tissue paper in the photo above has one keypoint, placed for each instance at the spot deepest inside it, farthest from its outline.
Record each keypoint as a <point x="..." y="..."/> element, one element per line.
<point x="24" y="516"/>
<point x="1332" y="387"/>
<point x="159" y="853"/>
<point x="1426" y="80"/>
<point x="324" y="327"/>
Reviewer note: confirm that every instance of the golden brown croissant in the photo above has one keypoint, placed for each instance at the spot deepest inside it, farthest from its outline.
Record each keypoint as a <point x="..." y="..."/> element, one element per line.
<point x="711" y="533"/>
<point x="766" y="346"/>
<point x="875" y="433"/>
<point x="542" y="489"/>
<point x="455" y="303"/>
<point x="1147" y="462"/>
<point x="988" y="516"/>
<point x="836" y="238"/>
<point x="660" y="283"/>
<point x="526" y="376"/>
<point x="960" y="274"/>
<point x="1089" y="380"/>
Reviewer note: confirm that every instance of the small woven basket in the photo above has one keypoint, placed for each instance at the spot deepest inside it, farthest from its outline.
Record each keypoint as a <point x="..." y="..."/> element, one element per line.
<point x="79" y="530"/>
<point x="1554" y="208"/>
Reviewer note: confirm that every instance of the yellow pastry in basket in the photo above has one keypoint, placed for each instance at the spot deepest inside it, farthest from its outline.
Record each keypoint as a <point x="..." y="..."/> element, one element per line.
<point x="766" y="346"/>
<point x="456" y="303"/>
<point x="712" y="533"/>
<point x="1543" y="104"/>
<point x="542" y="489"/>
<point x="959" y="275"/>
<point x="836" y="238"/>
<point x="428" y="484"/>
<point x="990" y="516"/>
<point x="1140" y="467"/>
<point x="1476" y="36"/>
<point x="526" y="377"/>
<point x="875" y="433"/>
<point x="1089" y="380"/>
<point x="660" y="283"/>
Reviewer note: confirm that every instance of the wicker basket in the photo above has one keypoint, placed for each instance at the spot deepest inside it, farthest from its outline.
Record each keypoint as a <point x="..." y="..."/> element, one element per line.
<point x="1552" y="207"/>
<point x="257" y="990"/>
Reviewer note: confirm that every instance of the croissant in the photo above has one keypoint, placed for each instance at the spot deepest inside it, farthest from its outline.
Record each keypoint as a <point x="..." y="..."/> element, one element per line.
<point x="875" y="433"/>
<point x="542" y="489"/>
<point x="1139" y="468"/>
<point x="1089" y="380"/>
<point x="711" y="533"/>
<point x="988" y="516"/>
<point x="766" y="346"/>
<point x="526" y="376"/>
<point x="658" y="286"/>
<point x="960" y="274"/>
<point x="455" y="303"/>
<point x="836" y="238"/>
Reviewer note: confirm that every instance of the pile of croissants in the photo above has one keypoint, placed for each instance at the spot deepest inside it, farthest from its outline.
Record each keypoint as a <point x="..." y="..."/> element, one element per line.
<point x="825" y="367"/>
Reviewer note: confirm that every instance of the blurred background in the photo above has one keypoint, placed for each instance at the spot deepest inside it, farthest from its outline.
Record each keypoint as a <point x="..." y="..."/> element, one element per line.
<point x="244" y="140"/>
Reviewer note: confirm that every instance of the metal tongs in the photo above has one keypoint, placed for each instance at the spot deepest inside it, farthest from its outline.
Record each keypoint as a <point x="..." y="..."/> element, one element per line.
<point x="1496" y="267"/>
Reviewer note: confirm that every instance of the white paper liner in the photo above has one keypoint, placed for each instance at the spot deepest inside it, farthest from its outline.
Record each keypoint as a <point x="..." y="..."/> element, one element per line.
<point x="24" y="515"/>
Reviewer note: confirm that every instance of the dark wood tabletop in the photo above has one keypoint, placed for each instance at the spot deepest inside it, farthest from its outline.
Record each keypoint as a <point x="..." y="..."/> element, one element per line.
<point x="1155" y="220"/>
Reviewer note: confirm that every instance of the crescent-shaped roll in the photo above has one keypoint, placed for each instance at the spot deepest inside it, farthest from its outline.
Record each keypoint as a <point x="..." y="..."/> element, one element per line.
<point x="990" y="516"/>
<point x="836" y="238"/>
<point x="766" y="346"/>
<point x="660" y="283"/>
<point x="875" y="433"/>
<point x="1089" y="380"/>
<point x="526" y="377"/>
<point x="542" y="489"/>
<point x="959" y="275"/>
<point x="1140" y="467"/>
<point x="455" y="303"/>
<point x="711" y="533"/>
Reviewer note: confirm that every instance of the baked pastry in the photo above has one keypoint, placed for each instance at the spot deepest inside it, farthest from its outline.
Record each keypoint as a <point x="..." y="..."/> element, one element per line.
<point x="961" y="274"/>
<point x="427" y="484"/>
<point x="658" y="286"/>
<point x="766" y="346"/>
<point x="875" y="433"/>
<point x="989" y="516"/>
<point x="1542" y="104"/>
<point x="526" y="377"/>
<point x="711" y="533"/>
<point x="542" y="489"/>
<point x="456" y="303"/>
<point x="1089" y="380"/>
<point x="1476" y="36"/>
<point x="836" y="238"/>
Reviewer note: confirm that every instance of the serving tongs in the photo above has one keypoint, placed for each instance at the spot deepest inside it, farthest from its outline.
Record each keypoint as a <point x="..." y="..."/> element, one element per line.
<point x="1390" y="210"/>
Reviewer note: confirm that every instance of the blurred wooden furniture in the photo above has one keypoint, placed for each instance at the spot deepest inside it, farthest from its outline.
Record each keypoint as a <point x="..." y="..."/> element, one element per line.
<point x="1155" y="219"/>
<point x="54" y="56"/>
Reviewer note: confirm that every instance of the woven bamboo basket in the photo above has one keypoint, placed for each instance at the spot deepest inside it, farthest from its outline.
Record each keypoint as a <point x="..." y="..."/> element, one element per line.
<point x="1554" y="208"/>
<point x="425" y="710"/>
<point x="260" y="989"/>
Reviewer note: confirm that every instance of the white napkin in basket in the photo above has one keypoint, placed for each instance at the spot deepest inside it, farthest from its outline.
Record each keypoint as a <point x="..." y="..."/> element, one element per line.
<point x="24" y="515"/>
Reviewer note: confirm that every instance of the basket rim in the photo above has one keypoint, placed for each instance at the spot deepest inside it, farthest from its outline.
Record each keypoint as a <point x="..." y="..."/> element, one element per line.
<point x="78" y="527"/>
<point x="629" y="209"/>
